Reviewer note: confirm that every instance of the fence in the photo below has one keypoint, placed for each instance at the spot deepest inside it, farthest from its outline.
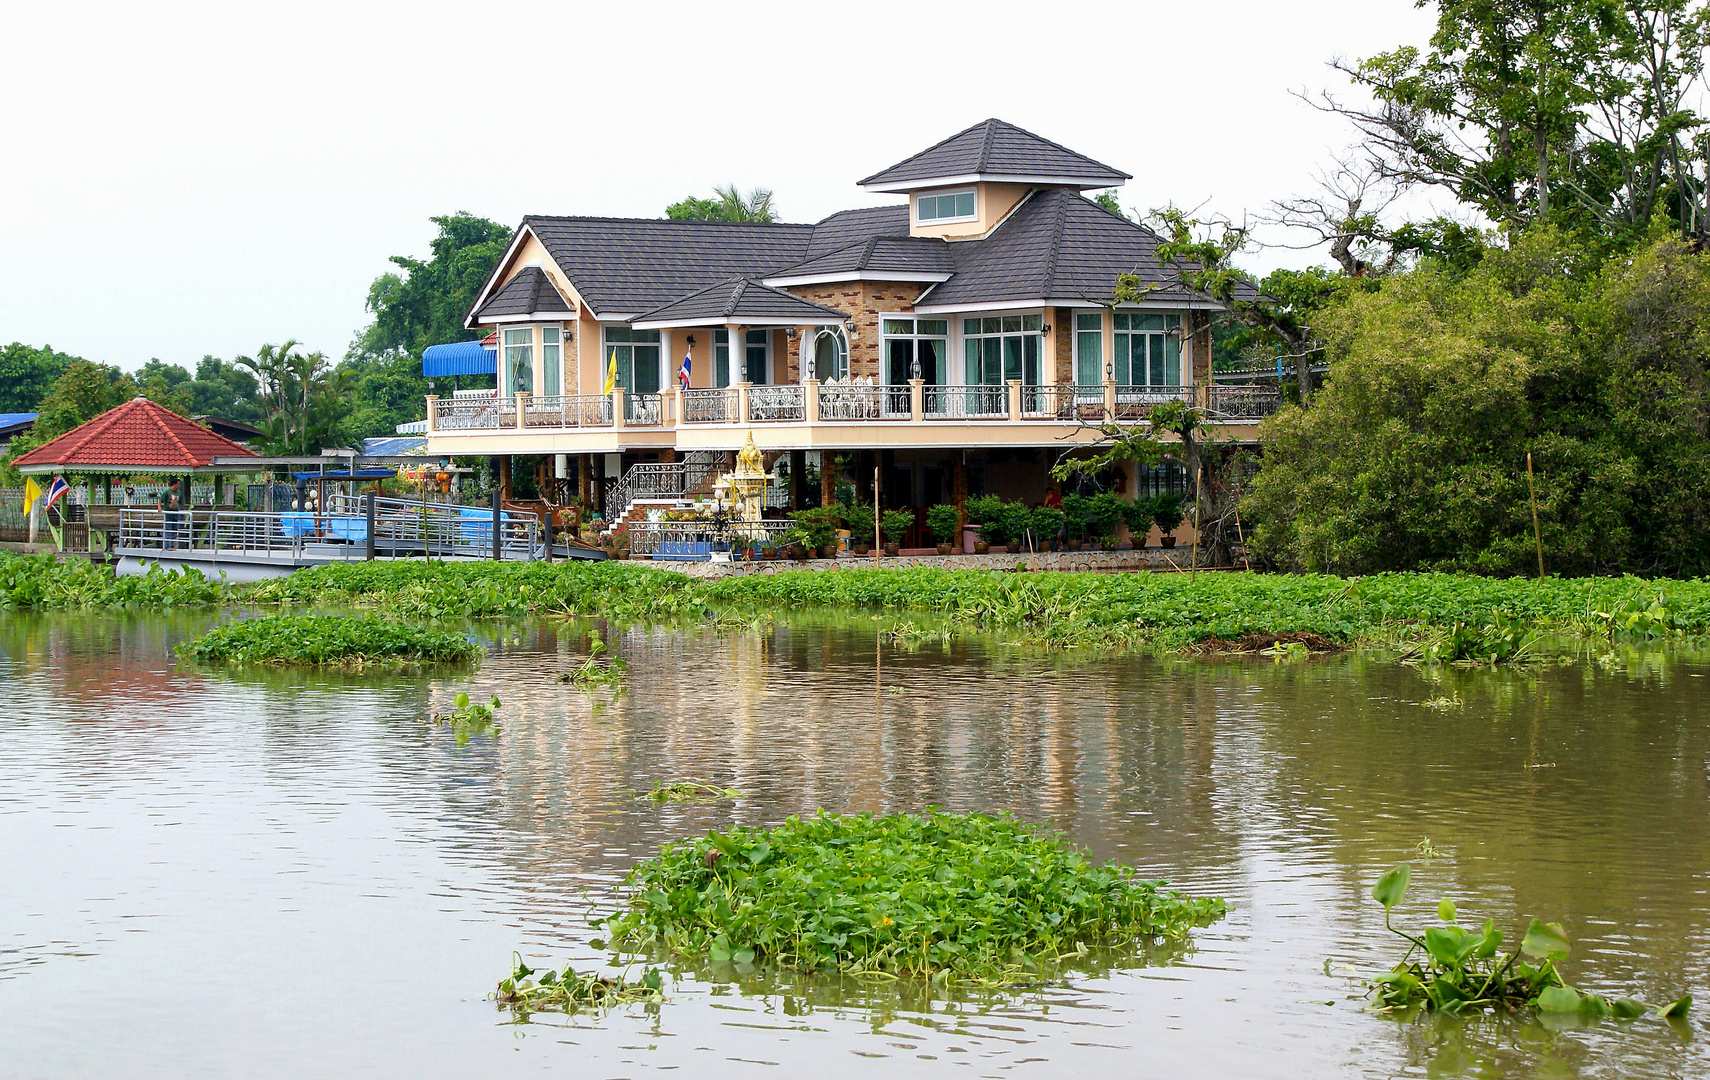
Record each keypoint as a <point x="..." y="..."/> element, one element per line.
<point x="341" y="530"/>
<point x="647" y="537"/>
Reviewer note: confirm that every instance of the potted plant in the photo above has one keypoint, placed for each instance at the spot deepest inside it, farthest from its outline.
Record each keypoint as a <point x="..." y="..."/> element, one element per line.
<point x="1137" y="515"/>
<point x="767" y="551"/>
<point x="858" y="519"/>
<point x="1075" y="510"/>
<point x="983" y="512"/>
<point x="946" y="525"/>
<point x="795" y="542"/>
<point x="1105" y="512"/>
<point x="895" y="524"/>
<point x="1047" y="525"/>
<point x="819" y="529"/>
<point x="1168" y="515"/>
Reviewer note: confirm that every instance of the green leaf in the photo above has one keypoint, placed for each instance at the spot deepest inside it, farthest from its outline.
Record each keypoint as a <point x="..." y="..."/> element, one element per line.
<point x="744" y="955"/>
<point x="1446" y="909"/>
<point x="1593" y="1005"/>
<point x="1444" y="944"/>
<point x="1559" y="999"/>
<point x="759" y="853"/>
<point x="462" y="699"/>
<point x="720" y="950"/>
<point x="1392" y="886"/>
<point x="1546" y="941"/>
<point x="1674" y="1010"/>
<point x="1628" y="1009"/>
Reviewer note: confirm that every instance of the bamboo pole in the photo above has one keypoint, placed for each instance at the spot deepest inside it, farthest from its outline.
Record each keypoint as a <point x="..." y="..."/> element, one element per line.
<point x="1532" y="486"/>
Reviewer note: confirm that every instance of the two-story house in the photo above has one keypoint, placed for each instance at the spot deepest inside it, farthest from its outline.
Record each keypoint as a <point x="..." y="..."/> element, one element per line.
<point x="958" y="340"/>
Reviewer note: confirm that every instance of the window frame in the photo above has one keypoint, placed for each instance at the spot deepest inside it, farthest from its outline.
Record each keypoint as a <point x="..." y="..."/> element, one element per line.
<point x="551" y="360"/>
<point x="721" y="340"/>
<point x="1095" y="335"/>
<point x="1168" y="331"/>
<point x="839" y="349"/>
<point x="512" y="385"/>
<point x="914" y="337"/>
<point x="627" y="339"/>
<point x="992" y="344"/>
<point x="953" y="194"/>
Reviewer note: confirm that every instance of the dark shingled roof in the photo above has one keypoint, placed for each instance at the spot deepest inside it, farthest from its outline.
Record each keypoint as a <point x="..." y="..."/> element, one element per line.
<point x="847" y="227"/>
<point x="529" y="292"/>
<point x="994" y="148"/>
<point x="1057" y="245"/>
<point x="741" y="300"/>
<point x="626" y="265"/>
<point x="906" y="256"/>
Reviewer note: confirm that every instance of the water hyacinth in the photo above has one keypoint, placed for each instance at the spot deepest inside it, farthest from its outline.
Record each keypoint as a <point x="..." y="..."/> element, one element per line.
<point x="947" y="897"/>
<point x="329" y="641"/>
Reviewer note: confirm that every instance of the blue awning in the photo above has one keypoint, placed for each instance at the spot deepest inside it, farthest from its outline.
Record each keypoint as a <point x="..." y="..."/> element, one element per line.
<point x="346" y="474"/>
<point x="459" y="358"/>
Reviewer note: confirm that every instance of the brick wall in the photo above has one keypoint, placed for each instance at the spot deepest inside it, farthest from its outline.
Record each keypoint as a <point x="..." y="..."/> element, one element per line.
<point x="863" y="301"/>
<point x="1062" y="322"/>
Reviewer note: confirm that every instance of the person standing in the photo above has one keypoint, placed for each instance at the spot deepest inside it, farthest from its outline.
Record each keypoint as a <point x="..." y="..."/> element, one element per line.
<point x="170" y="503"/>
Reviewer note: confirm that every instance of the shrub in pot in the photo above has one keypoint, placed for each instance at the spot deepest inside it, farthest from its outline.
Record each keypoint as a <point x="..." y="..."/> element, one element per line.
<point x="895" y="525"/>
<point x="1105" y="512"/>
<point x="1168" y="514"/>
<point x="1138" y="516"/>
<point x="819" y="528"/>
<point x="1047" y="525"/>
<point x="946" y="525"/>
<point x="1075" y="511"/>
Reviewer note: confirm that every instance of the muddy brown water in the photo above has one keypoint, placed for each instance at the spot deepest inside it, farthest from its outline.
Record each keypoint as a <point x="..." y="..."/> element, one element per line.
<point x="279" y="876"/>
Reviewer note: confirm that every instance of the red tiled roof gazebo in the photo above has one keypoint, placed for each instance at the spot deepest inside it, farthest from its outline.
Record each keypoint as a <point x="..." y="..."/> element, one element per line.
<point x="137" y="437"/>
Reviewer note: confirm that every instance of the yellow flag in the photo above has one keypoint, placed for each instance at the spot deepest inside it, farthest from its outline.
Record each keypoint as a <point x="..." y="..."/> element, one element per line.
<point x="31" y="492"/>
<point x="611" y="375"/>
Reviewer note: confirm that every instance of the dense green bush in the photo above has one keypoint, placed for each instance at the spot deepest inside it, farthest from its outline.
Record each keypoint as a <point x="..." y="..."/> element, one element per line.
<point x="945" y="523"/>
<point x="1414" y="453"/>
<point x="933" y="895"/>
<point x="329" y="641"/>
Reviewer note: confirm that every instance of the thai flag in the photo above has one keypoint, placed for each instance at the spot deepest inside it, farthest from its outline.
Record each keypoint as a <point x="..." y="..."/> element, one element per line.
<point x="683" y="372"/>
<point x="56" y="489"/>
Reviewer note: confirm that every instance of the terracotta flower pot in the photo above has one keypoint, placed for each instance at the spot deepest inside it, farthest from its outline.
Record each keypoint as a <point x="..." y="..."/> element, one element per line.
<point x="943" y="549"/>
<point x="829" y="551"/>
<point x="1168" y="540"/>
<point x="1074" y="545"/>
<point x="863" y="548"/>
<point x="892" y="547"/>
<point x="981" y="547"/>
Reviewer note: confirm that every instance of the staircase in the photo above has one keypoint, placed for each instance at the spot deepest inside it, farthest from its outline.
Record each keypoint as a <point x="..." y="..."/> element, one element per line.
<point x="651" y="486"/>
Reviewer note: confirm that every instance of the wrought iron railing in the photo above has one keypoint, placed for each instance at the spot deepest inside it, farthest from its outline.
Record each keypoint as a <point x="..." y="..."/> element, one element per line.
<point x="1068" y="403"/>
<point x="1243" y="402"/>
<point x="654" y="481"/>
<point x="776" y="403"/>
<point x="475" y="414"/>
<point x="567" y="411"/>
<point x="863" y="401"/>
<point x="643" y="410"/>
<point x="1136" y="402"/>
<point x="401" y="527"/>
<point x="980" y="401"/>
<point x="646" y="537"/>
<point x="718" y="406"/>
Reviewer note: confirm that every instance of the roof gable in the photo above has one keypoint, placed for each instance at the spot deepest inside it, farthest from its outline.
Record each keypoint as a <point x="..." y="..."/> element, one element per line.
<point x="136" y="435"/>
<point x="995" y="150"/>
<point x="530" y="292"/>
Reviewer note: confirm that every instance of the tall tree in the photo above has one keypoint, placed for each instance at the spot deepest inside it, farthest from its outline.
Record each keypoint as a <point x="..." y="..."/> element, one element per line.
<point x="1531" y="110"/>
<point x="26" y="375"/>
<point x="82" y="392"/>
<point x="728" y="204"/>
<point x="303" y="401"/>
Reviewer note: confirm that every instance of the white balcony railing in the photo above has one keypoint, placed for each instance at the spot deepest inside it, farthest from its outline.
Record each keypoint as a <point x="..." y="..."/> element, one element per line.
<point x="566" y="411"/>
<point x="776" y="403"/>
<point x="1135" y="402"/>
<point x="1068" y="403"/>
<point x="475" y="414"/>
<point x="980" y="402"/>
<point x="720" y="406"/>
<point x="863" y="401"/>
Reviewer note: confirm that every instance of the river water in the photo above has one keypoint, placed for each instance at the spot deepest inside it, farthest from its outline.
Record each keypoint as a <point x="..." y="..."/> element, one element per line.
<point x="296" y="876"/>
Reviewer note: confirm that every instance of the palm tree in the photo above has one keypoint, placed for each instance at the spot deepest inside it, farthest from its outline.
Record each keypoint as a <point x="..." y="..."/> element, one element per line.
<point x="734" y="206"/>
<point x="293" y="389"/>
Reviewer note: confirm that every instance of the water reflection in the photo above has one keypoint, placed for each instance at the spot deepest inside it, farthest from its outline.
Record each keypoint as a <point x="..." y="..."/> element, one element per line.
<point x="190" y="830"/>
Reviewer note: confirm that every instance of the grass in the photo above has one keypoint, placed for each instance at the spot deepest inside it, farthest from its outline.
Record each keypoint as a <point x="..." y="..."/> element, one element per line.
<point x="693" y="789"/>
<point x="943" y="897"/>
<point x="329" y="641"/>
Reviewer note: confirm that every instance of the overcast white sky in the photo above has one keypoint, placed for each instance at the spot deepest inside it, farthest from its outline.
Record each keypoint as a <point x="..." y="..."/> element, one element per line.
<point x="183" y="179"/>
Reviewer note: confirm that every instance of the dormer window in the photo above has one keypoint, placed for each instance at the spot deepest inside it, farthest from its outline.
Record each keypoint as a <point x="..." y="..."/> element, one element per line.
<point x="945" y="207"/>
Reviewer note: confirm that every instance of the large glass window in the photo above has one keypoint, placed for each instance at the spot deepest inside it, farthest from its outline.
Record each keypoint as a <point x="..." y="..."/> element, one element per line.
<point x="830" y="354"/>
<point x="637" y="353"/>
<point x="911" y="341"/>
<point x="1089" y="349"/>
<point x="756" y="347"/>
<point x="950" y="206"/>
<point x="551" y="341"/>
<point x="996" y="350"/>
<point x="1148" y="350"/>
<point x="519" y="361"/>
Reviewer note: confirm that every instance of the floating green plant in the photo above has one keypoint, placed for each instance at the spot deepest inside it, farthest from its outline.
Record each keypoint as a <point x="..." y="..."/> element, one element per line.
<point x="1453" y="970"/>
<point x="693" y="789"/>
<point x="329" y="641"/>
<point x="468" y="717"/>
<point x="974" y="898"/>
<point x="568" y="991"/>
<point x="598" y="669"/>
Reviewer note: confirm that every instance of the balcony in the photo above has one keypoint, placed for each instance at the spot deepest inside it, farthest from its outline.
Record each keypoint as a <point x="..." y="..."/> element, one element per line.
<point x="830" y="415"/>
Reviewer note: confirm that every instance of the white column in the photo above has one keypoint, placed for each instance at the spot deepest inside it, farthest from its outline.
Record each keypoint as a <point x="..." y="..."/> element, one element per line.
<point x="669" y="375"/>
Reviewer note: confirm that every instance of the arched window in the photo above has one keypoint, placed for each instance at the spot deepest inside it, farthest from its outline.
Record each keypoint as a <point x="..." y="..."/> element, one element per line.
<point x="830" y="354"/>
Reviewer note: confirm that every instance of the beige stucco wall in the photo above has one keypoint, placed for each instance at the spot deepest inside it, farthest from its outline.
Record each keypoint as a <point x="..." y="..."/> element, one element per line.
<point x="991" y="202"/>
